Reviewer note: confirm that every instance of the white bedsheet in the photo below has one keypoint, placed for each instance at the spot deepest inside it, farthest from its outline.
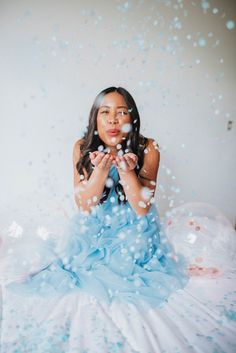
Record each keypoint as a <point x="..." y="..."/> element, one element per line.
<point x="199" y="318"/>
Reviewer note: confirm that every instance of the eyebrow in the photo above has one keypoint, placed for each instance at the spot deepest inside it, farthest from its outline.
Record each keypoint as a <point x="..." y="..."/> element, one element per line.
<point x="107" y="106"/>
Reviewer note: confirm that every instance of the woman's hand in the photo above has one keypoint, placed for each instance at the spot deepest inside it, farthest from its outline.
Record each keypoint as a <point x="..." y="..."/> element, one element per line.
<point x="127" y="162"/>
<point x="101" y="160"/>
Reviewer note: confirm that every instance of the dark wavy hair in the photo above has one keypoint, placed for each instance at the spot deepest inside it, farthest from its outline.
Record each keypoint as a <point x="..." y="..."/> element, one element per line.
<point x="134" y="142"/>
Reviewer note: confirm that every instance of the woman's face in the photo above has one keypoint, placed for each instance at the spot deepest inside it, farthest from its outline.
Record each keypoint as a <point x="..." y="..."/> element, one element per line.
<point x="113" y="119"/>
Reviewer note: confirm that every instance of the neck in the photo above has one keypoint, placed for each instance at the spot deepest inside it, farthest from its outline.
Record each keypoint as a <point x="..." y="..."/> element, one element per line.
<point x="113" y="150"/>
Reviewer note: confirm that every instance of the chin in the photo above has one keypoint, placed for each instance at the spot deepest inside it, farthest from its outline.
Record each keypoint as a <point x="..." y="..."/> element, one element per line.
<point x="113" y="140"/>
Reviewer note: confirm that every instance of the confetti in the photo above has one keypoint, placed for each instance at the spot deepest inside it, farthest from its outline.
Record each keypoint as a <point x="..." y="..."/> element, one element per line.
<point x="230" y="24"/>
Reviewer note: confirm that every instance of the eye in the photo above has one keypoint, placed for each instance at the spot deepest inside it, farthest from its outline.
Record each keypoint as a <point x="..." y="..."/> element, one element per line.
<point x="122" y="112"/>
<point x="104" y="112"/>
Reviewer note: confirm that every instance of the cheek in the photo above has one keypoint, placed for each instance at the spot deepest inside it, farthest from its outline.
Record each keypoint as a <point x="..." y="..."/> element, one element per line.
<point x="127" y="126"/>
<point x="127" y="120"/>
<point x="100" y="124"/>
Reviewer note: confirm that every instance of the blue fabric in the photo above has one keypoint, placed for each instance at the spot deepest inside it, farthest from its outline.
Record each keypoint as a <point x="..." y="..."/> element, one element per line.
<point x="111" y="253"/>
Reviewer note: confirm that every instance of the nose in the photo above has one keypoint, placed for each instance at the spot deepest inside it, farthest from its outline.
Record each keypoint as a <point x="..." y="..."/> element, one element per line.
<point x="112" y="119"/>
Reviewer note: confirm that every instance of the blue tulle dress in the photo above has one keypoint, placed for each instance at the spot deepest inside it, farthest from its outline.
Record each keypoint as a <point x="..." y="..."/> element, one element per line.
<point x="111" y="253"/>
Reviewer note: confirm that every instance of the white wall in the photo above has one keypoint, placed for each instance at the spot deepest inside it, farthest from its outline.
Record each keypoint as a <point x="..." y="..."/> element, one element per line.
<point x="57" y="55"/>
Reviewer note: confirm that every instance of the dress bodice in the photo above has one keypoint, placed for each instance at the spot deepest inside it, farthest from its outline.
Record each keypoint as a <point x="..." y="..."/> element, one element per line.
<point x="114" y="176"/>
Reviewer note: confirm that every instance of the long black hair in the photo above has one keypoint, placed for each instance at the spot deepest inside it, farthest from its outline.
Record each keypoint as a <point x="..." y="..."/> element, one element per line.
<point x="134" y="142"/>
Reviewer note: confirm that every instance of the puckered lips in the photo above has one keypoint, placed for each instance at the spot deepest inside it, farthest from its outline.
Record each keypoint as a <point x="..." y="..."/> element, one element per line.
<point x="113" y="132"/>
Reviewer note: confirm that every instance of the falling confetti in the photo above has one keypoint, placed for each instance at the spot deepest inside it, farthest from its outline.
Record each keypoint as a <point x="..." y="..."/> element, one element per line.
<point x="230" y="24"/>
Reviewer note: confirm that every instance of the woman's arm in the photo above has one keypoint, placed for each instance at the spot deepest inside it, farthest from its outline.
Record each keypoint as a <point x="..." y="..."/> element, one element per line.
<point x="88" y="191"/>
<point x="140" y="190"/>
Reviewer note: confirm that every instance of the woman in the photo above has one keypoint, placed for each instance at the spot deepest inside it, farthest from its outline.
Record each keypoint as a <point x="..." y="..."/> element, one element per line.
<point x="115" y="118"/>
<point x="115" y="170"/>
<point x="113" y="283"/>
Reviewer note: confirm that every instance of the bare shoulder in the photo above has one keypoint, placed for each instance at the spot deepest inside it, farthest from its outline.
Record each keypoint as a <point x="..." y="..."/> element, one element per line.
<point x="151" y="152"/>
<point x="152" y="142"/>
<point x="78" y="143"/>
<point x="151" y="161"/>
<point x="76" y="158"/>
<point x="77" y="150"/>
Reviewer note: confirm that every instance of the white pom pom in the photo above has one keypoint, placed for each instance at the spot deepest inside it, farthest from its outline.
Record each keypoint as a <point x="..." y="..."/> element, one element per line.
<point x="146" y="193"/>
<point x="142" y="204"/>
<point x="126" y="127"/>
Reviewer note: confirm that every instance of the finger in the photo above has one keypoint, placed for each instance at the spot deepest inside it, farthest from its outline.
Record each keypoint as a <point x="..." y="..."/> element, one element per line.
<point x="118" y="160"/>
<point x="103" y="161"/>
<point x="122" y="163"/>
<point x="114" y="161"/>
<point x="92" y="155"/>
<point x="130" y="162"/>
<point x="133" y="157"/>
<point x="98" y="158"/>
<point x="109" y="161"/>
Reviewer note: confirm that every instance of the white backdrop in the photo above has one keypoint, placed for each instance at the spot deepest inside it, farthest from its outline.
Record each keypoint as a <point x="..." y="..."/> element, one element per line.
<point x="177" y="59"/>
